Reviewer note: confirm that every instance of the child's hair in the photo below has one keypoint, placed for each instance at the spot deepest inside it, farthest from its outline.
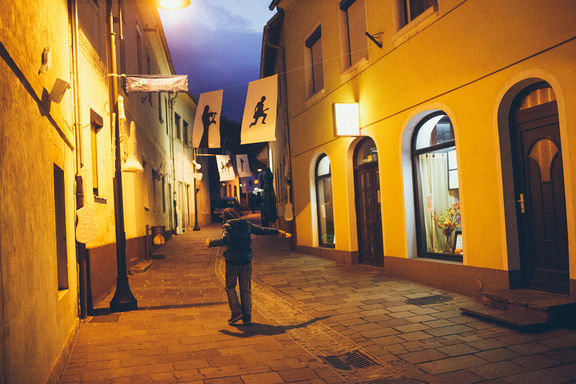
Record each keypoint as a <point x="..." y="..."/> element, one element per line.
<point x="229" y="214"/>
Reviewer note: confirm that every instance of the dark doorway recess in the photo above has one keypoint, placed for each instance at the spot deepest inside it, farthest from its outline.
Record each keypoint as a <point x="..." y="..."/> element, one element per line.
<point x="368" y="216"/>
<point x="539" y="190"/>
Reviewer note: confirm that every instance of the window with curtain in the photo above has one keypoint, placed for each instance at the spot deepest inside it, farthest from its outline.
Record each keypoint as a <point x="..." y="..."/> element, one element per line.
<point x="354" y="22"/>
<point x="411" y="9"/>
<point x="314" y="46"/>
<point x="324" y="202"/>
<point x="437" y="197"/>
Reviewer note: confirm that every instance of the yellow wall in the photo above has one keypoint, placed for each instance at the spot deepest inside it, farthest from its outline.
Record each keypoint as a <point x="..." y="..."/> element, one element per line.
<point x="462" y="60"/>
<point x="37" y="319"/>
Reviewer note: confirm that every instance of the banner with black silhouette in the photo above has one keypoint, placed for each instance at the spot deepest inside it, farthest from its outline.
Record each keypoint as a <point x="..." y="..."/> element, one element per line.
<point x="157" y="83"/>
<point x="259" y="120"/>
<point x="243" y="166"/>
<point x="206" y="132"/>
<point x="225" y="168"/>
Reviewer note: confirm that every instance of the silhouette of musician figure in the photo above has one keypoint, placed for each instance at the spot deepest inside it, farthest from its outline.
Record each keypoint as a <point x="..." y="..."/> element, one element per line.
<point x="208" y="118"/>
<point x="259" y="112"/>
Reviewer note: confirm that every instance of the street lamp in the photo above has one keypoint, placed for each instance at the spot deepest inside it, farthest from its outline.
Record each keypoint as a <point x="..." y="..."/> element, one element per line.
<point x="123" y="299"/>
<point x="174" y="4"/>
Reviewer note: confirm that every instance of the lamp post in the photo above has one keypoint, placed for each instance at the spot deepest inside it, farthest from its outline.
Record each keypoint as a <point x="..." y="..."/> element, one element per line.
<point x="123" y="299"/>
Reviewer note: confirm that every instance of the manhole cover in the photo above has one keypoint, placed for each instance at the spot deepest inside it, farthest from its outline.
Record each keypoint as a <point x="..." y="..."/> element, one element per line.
<point x="349" y="360"/>
<point x="426" y="300"/>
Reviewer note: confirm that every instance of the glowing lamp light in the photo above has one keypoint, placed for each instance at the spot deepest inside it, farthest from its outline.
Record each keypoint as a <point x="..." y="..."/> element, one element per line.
<point x="347" y="119"/>
<point x="158" y="239"/>
<point x="173" y="4"/>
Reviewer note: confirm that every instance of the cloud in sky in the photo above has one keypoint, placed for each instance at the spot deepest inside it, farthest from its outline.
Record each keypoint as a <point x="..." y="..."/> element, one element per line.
<point x="218" y="44"/>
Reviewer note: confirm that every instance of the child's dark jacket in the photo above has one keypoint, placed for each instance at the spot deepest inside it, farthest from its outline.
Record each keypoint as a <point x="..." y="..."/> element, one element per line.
<point x="236" y="235"/>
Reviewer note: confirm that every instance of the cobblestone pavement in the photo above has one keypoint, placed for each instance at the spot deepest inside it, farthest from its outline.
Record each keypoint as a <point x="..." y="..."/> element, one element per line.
<point x="315" y="321"/>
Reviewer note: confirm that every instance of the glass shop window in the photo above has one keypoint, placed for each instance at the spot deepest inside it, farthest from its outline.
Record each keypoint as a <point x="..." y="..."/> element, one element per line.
<point x="437" y="195"/>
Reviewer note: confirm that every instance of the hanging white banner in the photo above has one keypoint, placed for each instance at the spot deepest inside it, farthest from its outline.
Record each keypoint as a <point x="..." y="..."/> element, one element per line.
<point x="206" y="132"/>
<point x="157" y="83"/>
<point x="259" y="120"/>
<point x="243" y="166"/>
<point x="225" y="168"/>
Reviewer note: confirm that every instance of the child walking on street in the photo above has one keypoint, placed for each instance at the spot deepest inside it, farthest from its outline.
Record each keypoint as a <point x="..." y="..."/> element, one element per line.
<point x="236" y="236"/>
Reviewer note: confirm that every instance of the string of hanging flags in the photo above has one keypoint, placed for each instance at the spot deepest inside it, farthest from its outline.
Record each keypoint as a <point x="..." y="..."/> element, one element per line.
<point x="259" y="120"/>
<point x="206" y="133"/>
<point x="258" y="123"/>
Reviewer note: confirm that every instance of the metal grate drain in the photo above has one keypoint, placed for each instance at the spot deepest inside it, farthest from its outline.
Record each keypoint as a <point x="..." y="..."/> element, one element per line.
<point x="349" y="360"/>
<point x="426" y="300"/>
<point x="110" y="318"/>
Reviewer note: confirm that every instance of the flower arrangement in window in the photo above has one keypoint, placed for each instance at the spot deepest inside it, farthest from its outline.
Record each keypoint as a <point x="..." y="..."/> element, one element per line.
<point x="448" y="221"/>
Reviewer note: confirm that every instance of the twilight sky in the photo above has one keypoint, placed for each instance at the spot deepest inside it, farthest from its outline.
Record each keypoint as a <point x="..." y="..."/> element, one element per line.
<point x="217" y="43"/>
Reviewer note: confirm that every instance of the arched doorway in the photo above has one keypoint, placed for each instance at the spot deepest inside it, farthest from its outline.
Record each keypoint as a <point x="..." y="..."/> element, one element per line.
<point x="539" y="190"/>
<point x="368" y="216"/>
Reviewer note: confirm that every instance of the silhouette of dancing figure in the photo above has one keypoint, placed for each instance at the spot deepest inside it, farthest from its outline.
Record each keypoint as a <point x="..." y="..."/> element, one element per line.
<point x="208" y="118"/>
<point x="259" y="112"/>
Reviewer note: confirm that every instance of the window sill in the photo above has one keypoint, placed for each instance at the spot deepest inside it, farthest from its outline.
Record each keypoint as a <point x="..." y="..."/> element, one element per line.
<point x="450" y="258"/>
<point x="100" y="200"/>
<point x="62" y="293"/>
<point x="313" y="99"/>
<point x="354" y="69"/>
<point x="415" y="26"/>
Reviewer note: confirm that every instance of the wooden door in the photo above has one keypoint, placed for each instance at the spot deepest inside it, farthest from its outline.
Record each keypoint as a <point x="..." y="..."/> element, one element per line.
<point x="541" y="208"/>
<point x="368" y="215"/>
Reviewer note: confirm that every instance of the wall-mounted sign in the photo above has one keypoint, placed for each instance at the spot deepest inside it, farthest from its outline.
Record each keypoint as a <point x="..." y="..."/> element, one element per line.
<point x="347" y="119"/>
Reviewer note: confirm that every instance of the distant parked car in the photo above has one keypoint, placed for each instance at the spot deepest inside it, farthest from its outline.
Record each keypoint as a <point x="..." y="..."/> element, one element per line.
<point x="220" y="204"/>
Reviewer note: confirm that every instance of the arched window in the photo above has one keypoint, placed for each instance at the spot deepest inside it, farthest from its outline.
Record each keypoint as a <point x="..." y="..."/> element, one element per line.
<point x="437" y="198"/>
<point x="324" y="202"/>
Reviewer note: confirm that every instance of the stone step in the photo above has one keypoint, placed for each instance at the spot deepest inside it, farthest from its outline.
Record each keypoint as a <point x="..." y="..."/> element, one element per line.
<point x="525" y="321"/>
<point x="140" y="267"/>
<point x="525" y="308"/>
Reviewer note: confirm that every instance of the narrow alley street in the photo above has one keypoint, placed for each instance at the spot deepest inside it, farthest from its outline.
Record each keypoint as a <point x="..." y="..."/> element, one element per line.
<point x="315" y="321"/>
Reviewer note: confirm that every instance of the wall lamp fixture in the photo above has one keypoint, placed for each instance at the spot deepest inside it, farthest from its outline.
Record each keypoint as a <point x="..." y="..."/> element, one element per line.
<point x="375" y="38"/>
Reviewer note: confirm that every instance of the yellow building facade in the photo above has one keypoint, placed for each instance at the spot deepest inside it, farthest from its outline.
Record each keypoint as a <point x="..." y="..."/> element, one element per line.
<point x="161" y="195"/>
<point x="58" y="229"/>
<point x="460" y="175"/>
<point x="38" y="281"/>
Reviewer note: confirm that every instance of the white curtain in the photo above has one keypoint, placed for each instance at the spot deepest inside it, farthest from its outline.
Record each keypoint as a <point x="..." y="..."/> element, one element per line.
<point x="436" y="196"/>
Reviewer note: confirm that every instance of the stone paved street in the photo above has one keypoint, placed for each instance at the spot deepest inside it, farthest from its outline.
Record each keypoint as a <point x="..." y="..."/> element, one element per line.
<point x="315" y="321"/>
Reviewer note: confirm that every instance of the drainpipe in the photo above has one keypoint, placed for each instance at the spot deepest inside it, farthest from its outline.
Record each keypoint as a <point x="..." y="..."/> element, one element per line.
<point x="171" y="102"/>
<point x="84" y="299"/>
<point x="282" y="50"/>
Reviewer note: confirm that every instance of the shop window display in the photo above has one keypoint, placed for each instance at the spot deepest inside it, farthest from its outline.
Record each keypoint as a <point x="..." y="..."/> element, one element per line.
<point x="436" y="188"/>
